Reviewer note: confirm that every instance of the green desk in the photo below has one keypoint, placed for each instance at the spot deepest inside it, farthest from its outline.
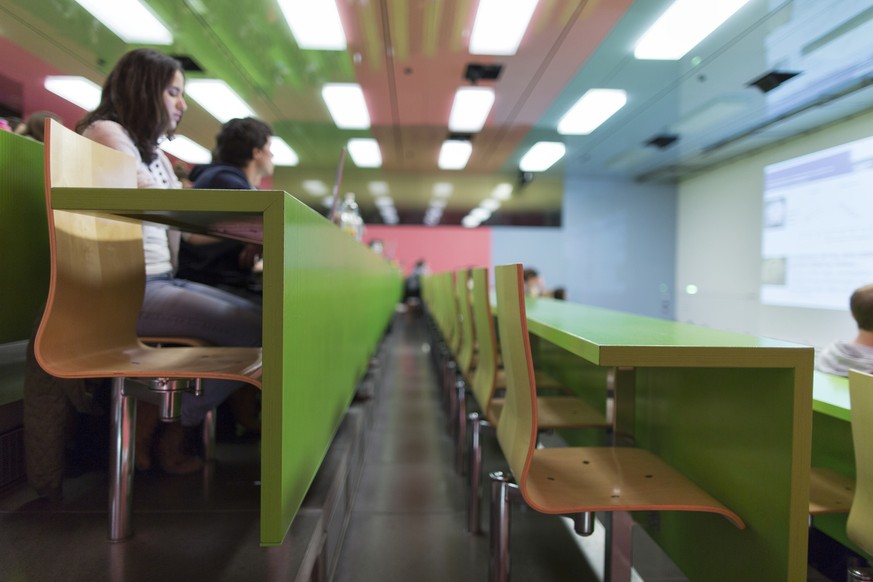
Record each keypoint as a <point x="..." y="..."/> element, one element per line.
<point x="327" y="301"/>
<point x="730" y="411"/>
<point x="832" y="445"/>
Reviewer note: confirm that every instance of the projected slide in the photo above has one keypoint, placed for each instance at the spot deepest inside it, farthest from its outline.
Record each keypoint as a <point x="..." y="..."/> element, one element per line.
<point x="817" y="243"/>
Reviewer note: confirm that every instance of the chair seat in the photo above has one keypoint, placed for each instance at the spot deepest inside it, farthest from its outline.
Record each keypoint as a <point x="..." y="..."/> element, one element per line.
<point x="139" y="361"/>
<point x="556" y="412"/>
<point x="582" y="479"/>
<point x="829" y="492"/>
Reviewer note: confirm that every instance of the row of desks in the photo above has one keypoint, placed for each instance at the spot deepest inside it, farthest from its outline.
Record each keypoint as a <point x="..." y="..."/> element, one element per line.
<point x="327" y="300"/>
<point x="732" y="412"/>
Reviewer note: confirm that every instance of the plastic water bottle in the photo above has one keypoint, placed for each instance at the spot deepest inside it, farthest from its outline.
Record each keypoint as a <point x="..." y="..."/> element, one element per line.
<point x="349" y="217"/>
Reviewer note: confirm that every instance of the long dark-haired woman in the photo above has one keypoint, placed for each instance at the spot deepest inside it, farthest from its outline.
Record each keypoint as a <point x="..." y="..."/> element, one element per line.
<point x="142" y="103"/>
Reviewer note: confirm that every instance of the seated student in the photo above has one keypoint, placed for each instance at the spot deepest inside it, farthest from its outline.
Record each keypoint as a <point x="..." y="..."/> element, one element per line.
<point x="534" y="286"/>
<point x="142" y="103"/>
<point x="841" y="356"/>
<point x="242" y="158"/>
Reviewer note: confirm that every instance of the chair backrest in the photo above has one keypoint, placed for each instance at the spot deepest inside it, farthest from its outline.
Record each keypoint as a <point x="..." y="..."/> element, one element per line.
<point x="483" y="323"/>
<point x="517" y="429"/>
<point x="97" y="265"/>
<point x="860" y="524"/>
<point x="467" y="344"/>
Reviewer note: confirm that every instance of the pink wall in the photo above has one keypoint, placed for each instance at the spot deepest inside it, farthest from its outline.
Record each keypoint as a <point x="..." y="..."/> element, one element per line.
<point x="444" y="248"/>
<point x="23" y="68"/>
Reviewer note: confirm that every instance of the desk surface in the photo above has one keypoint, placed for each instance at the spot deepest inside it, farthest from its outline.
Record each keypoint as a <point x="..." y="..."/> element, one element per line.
<point x="613" y="338"/>
<point x="830" y="395"/>
<point x="315" y="349"/>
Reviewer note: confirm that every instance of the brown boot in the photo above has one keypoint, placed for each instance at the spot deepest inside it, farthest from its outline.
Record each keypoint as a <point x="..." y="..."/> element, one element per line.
<point x="171" y="451"/>
<point x="146" y="423"/>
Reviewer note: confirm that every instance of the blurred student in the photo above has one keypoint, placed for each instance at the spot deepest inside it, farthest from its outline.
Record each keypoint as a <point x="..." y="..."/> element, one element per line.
<point x="857" y="354"/>
<point x="241" y="160"/>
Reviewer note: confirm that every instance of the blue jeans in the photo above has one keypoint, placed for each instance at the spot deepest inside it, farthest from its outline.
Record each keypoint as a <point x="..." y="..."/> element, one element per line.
<point x="179" y="308"/>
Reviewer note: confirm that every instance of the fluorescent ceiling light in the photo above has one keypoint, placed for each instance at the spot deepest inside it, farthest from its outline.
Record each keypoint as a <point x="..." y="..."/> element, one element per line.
<point x="470" y="221"/>
<point x="283" y="154"/>
<point x="480" y="214"/>
<point x="591" y="110"/>
<point x="216" y="97"/>
<point x="470" y="108"/>
<point x="131" y="20"/>
<point x="502" y="192"/>
<point x="443" y="189"/>
<point x="315" y="24"/>
<point x="186" y="150"/>
<point x="365" y="152"/>
<point x="384" y="202"/>
<point x="541" y="156"/>
<point x="438" y="203"/>
<point x="346" y="104"/>
<point x="378" y="188"/>
<point x="490" y="204"/>
<point x="682" y="26"/>
<point x="500" y="25"/>
<point x="77" y="90"/>
<point x="315" y="187"/>
<point x="454" y="154"/>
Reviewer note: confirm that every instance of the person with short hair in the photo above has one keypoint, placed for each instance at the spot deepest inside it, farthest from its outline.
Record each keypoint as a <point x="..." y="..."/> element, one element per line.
<point x="857" y="354"/>
<point x="241" y="160"/>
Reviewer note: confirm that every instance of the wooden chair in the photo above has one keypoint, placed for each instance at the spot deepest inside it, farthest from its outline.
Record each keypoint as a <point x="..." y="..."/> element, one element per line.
<point x="859" y="527"/>
<point x="574" y="481"/>
<point x="88" y="329"/>
<point x="553" y="412"/>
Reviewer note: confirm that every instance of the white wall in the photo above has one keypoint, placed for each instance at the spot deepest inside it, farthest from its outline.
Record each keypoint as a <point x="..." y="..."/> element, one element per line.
<point x="541" y="248"/>
<point x="719" y="247"/>
<point x="619" y="243"/>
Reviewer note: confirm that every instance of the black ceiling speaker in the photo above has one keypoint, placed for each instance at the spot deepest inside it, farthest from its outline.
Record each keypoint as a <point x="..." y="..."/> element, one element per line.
<point x="769" y="81"/>
<point x="476" y="72"/>
<point x="663" y="140"/>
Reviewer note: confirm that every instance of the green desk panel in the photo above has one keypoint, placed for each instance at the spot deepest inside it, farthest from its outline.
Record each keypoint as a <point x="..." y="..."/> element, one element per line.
<point x="327" y="301"/>
<point x="832" y="444"/>
<point x="732" y="412"/>
<point x="24" y="251"/>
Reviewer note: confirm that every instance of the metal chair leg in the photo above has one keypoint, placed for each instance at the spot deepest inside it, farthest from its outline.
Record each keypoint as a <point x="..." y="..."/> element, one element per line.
<point x="501" y="489"/>
<point x="859" y="574"/>
<point x="461" y="420"/>
<point x="209" y="436"/>
<point x="474" y="476"/>
<point x="121" y="462"/>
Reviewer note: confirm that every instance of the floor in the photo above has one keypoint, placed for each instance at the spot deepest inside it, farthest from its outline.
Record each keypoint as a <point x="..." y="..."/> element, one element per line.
<point x="408" y="519"/>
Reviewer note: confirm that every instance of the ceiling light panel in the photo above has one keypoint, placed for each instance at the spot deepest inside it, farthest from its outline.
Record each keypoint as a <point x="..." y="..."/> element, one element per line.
<point x="315" y="24"/>
<point x="216" y="97"/>
<point x="470" y="109"/>
<point x="454" y="154"/>
<point x="365" y="152"/>
<point x="346" y="104"/>
<point x="542" y="156"/>
<point x="132" y="21"/>
<point x="77" y="90"/>
<point x="683" y="26"/>
<point x="502" y="192"/>
<point x="283" y="154"/>
<point x="186" y="150"/>
<point x="591" y="110"/>
<point x="500" y="26"/>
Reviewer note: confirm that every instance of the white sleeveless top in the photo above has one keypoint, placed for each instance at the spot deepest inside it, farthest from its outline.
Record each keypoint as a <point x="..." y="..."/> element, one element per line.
<point x="159" y="259"/>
